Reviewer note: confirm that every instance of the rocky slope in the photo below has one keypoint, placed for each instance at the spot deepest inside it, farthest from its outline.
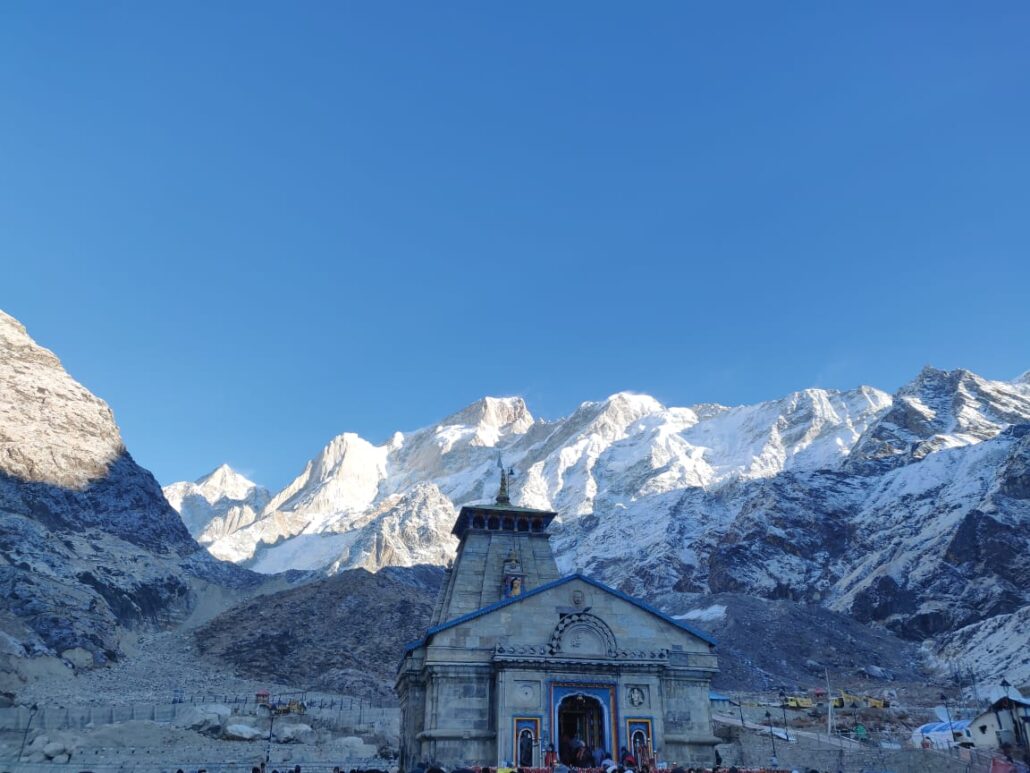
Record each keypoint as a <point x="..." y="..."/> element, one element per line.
<point x="341" y="634"/>
<point x="908" y="511"/>
<point x="936" y="411"/>
<point x="805" y="640"/>
<point x="88" y="543"/>
<point x="344" y="634"/>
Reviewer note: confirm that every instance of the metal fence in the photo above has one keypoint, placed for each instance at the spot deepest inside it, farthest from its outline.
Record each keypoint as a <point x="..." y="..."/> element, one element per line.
<point x="339" y="711"/>
<point x="878" y="752"/>
<point x="166" y="763"/>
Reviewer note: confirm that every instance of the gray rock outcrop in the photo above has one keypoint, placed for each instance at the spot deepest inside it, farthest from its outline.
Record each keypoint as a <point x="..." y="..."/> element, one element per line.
<point x="88" y="543"/>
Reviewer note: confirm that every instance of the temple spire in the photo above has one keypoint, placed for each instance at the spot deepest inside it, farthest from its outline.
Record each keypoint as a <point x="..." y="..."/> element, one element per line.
<point x="502" y="493"/>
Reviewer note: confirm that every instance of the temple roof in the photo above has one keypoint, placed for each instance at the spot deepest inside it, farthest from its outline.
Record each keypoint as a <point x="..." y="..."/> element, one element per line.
<point x="531" y="520"/>
<point x="466" y="517"/>
<point x="554" y="584"/>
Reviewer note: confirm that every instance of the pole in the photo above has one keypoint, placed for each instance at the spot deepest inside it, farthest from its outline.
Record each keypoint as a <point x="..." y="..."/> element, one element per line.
<point x="25" y="735"/>
<point x="772" y="738"/>
<point x="783" y="707"/>
<point x="976" y="686"/>
<point x="829" y="704"/>
<point x="271" y="723"/>
<point x="743" y="725"/>
<point x="951" y="725"/>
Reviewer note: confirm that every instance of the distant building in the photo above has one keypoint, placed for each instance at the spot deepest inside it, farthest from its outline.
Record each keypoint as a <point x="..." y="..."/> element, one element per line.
<point x="720" y="702"/>
<point x="519" y="660"/>
<point x="942" y="735"/>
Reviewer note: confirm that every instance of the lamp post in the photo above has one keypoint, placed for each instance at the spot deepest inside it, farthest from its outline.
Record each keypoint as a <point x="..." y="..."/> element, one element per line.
<point x="951" y="725"/>
<point x="772" y="738"/>
<point x="783" y="706"/>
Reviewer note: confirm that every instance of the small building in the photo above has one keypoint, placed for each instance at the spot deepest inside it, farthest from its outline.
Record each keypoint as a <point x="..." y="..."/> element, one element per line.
<point x="521" y="665"/>
<point x="1005" y="723"/>
<point x="719" y="701"/>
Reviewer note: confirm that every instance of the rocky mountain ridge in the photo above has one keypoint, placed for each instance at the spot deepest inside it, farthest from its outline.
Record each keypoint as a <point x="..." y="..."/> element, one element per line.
<point x="905" y="511"/>
<point x="88" y="544"/>
<point x="564" y="465"/>
<point x="341" y="634"/>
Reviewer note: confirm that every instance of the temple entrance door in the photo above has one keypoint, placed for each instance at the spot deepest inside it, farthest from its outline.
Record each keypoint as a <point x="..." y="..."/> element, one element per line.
<point x="525" y="749"/>
<point x="581" y="723"/>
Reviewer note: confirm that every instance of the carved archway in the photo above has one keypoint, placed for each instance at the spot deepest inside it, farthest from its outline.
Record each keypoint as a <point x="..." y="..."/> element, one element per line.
<point x="582" y="634"/>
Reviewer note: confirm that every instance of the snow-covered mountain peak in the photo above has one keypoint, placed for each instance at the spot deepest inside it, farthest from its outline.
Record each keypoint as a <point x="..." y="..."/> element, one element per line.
<point x="342" y="451"/>
<point x="492" y="417"/>
<point x="611" y="418"/>
<point x="216" y="503"/>
<point x="939" y="409"/>
<point x="607" y="453"/>
<point x="227" y="482"/>
<point x="636" y="402"/>
<point x="52" y="429"/>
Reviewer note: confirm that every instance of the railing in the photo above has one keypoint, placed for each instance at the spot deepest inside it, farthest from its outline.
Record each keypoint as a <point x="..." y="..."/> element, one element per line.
<point x="338" y="710"/>
<point x="165" y="761"/>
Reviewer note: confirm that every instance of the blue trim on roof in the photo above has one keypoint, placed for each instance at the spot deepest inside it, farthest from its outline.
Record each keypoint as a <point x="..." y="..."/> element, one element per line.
<point x="717" y="696"/>
<point x="943" y="727"/>
<point x="554" y="584"/>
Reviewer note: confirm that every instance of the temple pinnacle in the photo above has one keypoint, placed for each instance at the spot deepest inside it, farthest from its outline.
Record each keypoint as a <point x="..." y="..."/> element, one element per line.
<point x="502" y="493"/>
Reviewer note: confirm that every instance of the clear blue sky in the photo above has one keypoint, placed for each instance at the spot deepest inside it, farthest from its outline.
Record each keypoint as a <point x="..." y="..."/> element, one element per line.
<point x="252" y="226"/>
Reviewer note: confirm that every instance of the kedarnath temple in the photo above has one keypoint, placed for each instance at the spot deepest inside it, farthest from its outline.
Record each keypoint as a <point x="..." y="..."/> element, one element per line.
<point x="518" y="660"/>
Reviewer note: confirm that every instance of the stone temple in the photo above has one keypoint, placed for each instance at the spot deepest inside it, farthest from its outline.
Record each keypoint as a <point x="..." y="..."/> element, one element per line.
<point x="518" y="659"/>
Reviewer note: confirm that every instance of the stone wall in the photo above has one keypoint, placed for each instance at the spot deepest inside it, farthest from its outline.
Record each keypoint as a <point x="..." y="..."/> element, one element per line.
<point x="459" y="727"/>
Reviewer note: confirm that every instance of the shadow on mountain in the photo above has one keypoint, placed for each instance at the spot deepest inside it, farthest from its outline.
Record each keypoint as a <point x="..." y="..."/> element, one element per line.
<point x="127" y="503"/>
<point x="79" y="565"/>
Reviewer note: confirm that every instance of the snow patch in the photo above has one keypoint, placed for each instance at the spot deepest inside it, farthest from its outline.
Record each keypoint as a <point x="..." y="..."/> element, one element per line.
<point x="714" y="612"/>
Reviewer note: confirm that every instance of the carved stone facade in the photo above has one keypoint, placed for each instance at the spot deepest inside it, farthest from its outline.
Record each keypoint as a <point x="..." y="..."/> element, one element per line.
<point x="501" y="676"/>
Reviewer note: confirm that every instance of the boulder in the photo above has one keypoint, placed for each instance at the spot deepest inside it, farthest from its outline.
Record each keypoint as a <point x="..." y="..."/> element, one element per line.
<point x="296" y="733"/>
<point x="242" y="733"/>
<point x="79" y="657"/>
<point x="356" y="748"/>
<point x="38" y="743"/>
<point x="209" y="719"/>
<point x="54" y="748"/>
<point x="61" y="759"/>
